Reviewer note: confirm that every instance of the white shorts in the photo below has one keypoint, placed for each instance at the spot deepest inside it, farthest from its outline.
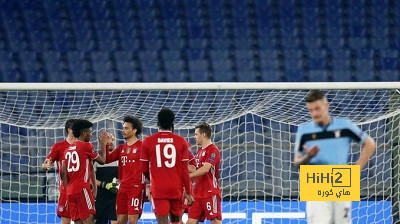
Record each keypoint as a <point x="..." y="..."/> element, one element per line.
<point x="329" y="212"/>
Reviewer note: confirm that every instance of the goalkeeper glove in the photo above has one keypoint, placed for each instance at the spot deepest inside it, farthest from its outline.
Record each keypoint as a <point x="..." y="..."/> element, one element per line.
<point x="113" y="186"/>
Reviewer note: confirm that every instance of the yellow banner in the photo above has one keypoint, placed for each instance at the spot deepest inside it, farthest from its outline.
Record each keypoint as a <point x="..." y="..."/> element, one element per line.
<point x="329" y="183"/>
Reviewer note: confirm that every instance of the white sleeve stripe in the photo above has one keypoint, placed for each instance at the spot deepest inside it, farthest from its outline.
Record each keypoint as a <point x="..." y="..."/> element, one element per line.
<point x="185" y="159"/>
<point x="144" y="160"/>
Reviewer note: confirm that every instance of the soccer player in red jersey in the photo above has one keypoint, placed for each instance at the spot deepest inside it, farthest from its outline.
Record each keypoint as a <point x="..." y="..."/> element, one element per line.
<point x="76" y="170"/>
<point x="165" y="156"/>
<point x="55" y="155"/>
<point x="131" y="191"/>
<point x="207" y="193"/>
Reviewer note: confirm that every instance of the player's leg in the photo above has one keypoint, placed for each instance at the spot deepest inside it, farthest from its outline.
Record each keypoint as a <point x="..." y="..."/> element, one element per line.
<point x="121" y="206"/>
<point x="62" y="209"/>
<point x="135" y="207"/>
<point x="161" y="209"/>
<point x="196" y="212"/>
<point x="175" y="210"/>
<point x="212" y="208"/>
<point x="65" y="220"/>
<point x="342" y="211"/>
<point x="89" y="220"/>
<point x="319" y="212"/>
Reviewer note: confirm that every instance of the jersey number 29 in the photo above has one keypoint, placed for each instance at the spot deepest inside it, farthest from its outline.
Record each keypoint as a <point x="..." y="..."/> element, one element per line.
<point x="73" y="161"/>
<point x="169" y="152"/>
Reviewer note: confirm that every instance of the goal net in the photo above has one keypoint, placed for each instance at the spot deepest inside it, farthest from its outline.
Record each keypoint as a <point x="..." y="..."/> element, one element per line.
<point x="254" y="126"/>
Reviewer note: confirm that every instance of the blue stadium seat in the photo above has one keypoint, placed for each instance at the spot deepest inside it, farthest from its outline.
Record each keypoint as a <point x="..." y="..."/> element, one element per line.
<point x="341" y="76"/>
<point x="150" y="66"/>
<point x="364" y="65"/>
<point x="247" y="76"/>
<point x="82" y="76"/>
<point x="389" y="76"/>
<point x="269" y="64"/>
<point x="272" y="76"/>
<point x="199" y="76"/>
<point x="222" y="76"/>
<point x="220" y="44"/>
<point x="219" y="54"/>
<point x="198" y="65"/>
<point x="126" y="66"/>
<point x="10" y="76"/>
<point x="245" y="65"/>
<point x="129" y="77"/>
<point x="317" y="63"/>
<point x="176" y="76"/>
<point x="222" y="65"/>
<point x="59" y="76"/>
<point x="171" y="55"/>
<point x="7" y="62"/>
<point x="318" y="76"/>
<point x="175" y="44"/>
<point x="244" y="54"/>
<point x="365" y="76"/>
<point x="295" y="75"/>
<point x="243" y="44"/>
<point x="104" y="76"/>
<point x="195" y="54"/>
<point x="28" y="61"/>
<point x="341" y="65"/>
<point x="152" y="77"/>
<point x="130" y="44"/>
<point x="123" y="56"/>
<point x="174" y="65"/>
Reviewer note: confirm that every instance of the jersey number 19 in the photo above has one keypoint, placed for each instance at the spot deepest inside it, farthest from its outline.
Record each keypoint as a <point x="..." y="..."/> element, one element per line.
<point x="169" y="152"/>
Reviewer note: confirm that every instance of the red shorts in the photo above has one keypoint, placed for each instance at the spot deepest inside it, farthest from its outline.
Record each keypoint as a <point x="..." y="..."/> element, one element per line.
<point x="81" y="205"/>
<point x="209" y="208"/>
<point x="130" y="201"/>
<point x="163" y="207"/>
<point x="62" y="207"/>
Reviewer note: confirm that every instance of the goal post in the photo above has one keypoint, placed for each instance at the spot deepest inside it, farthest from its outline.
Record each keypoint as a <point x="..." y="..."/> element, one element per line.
<point x="254" y="125"/>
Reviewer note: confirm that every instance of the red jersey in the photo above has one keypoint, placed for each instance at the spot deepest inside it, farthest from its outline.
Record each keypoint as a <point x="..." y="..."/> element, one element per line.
<point x="78" y="159"/>
<point x="129" y="167"/>
<point x="192" y="159"/>
<point x="167" y="154"/>
<point x="56" y="155"/>
<point x="207" y="185"/>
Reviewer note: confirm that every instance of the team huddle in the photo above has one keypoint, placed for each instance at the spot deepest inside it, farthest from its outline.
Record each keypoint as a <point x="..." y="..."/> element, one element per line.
<point x="164" y="158"/>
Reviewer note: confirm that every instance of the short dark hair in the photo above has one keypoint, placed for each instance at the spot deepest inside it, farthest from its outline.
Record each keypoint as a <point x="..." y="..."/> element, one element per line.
<point x="165" y="118"/>
<point x="136" y="123"/>
<point x="204" y="128"/>
<point x="80" y="125"/>
<point x="314" y="95"/>
<point x="69" y="123"/>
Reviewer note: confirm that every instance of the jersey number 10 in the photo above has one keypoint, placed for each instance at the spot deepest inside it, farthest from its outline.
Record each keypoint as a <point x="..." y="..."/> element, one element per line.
<point x="169" y="152"/>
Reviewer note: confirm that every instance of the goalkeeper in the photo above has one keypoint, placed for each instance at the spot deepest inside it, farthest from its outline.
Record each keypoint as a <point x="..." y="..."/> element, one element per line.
<point x="106" y="181"/>
<point x="326" y="140"/>
<point x="131" y="192"/>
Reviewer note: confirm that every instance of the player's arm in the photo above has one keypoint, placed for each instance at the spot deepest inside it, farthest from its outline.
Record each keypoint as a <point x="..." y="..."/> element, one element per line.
<point x="202" y="170"/>
<point x="367" y="150"/>
<point x="93" y="181"/>
<point x="64" y="174"/>
<point x="186" y="183"/>
<point x="47" y="164"/>
<point x="144" y="158"/>
<point x="304" y="159"/>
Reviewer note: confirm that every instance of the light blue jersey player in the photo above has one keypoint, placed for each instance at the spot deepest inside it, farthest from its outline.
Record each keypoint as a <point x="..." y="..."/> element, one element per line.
<point x="326" y="140"/>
